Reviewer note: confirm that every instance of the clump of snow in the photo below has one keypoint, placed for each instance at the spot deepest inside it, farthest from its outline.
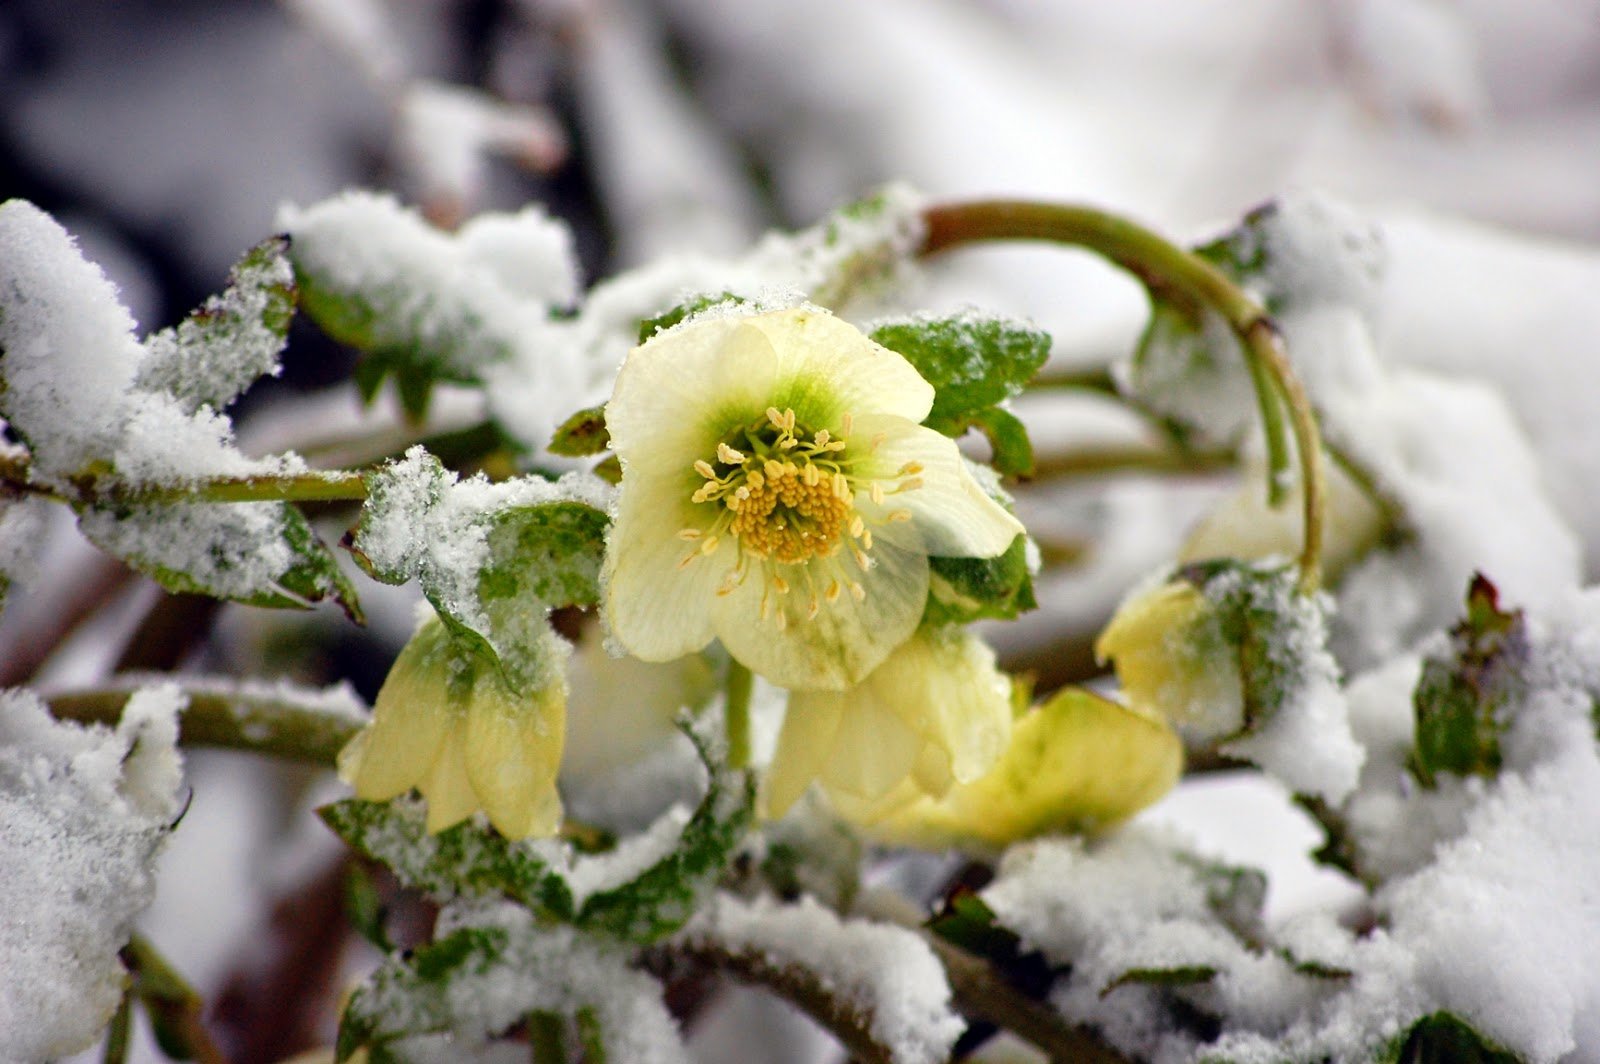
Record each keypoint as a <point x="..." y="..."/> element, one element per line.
<point x="550" y="969"/>
<point x="74" y="373"/>
<point x="884" y="974"/>
<point x="167" y="442"/>
<point x="83" y="812"/>
<point x="22" y="532"/>
<point x="67" y="347"/>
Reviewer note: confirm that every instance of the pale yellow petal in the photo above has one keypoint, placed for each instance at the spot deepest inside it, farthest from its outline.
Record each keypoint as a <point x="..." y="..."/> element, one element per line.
<point x="846" y="639"/>
<point x="947" y="686"/>
<point x="657" y="606"/>
<point x="513" y="752"/>
<point x="825" y="363"/>
<point x="874" y="748"/>
<point x="1170" y="657"/>
<point x="681" y="391"/>
<point x="950" y="511"/>
<point x="1079" y="763"/>
<point x="409" y="720"/>
<point x="447" y="789"/>
<point x="804" y="744"/>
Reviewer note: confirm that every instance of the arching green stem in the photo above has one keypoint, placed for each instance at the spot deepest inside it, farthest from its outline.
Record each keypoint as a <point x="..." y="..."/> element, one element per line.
<point x="1189" y="281"/>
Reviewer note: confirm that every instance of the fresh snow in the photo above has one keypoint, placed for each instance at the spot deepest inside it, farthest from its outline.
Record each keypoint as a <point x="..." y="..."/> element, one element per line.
<point x="83" y="812"/>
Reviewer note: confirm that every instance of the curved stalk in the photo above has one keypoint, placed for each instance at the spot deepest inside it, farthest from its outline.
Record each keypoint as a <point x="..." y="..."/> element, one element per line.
<point x="739" y="684"/>
<point x="1171" y="273"/>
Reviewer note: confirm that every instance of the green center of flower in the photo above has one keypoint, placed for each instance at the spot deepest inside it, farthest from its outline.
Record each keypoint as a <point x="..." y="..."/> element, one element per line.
<point x="786" y="494"/>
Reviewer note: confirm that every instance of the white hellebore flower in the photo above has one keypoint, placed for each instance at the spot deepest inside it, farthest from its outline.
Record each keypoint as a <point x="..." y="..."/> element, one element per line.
<point x="778" y="493"/>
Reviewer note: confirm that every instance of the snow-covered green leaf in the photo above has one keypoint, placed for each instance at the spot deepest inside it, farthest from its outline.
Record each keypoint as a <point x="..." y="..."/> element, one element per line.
<point x="974" y="362"/>
<point x="465" y="859"/>
<point x="689" y="307"/>
<point x="260" y="554"/>
<point x="231" y="340"/>
<point x="664" y="896"/>
<point x="492" y="966"/>
<point x="1461" y="697"/>
<point x="491" y="558"/>
<point x="1442" y="1038"/>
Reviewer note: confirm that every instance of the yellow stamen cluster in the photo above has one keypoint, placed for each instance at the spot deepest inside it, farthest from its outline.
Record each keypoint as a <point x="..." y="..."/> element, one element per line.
<point x="788" y="497"/>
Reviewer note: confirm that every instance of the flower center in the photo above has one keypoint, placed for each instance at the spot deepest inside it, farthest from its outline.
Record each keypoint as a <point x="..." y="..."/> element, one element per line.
<point x="786" y="496"/>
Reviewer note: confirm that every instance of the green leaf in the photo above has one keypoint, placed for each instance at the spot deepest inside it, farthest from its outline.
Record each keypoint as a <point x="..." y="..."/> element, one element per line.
<point x="1011" y="450"/>
<point x="961" y="590"/>
<point x="1461" y="699"/>
<point x="968" y="922"/>
<point x="973" y="363"/>
<point x="411" y="995"/>
<point x="218" y="549"/>
<point x="665" y="895"/>
<point x="234" y="338"/>
<point x="689" y="307"/>
<point x="465" y="859"/>
<point x="1177" y="976"/>
<point x="364" y="908"/>
<point x="549" y="551"/>
<point x="1443" y="1038"/>
<point x="582" y="434"/>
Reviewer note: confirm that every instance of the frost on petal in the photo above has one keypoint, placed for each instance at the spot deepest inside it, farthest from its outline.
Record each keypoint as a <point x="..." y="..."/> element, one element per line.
<point x="83" y="812"/>
<point x="67" y="349"/>
<point x="848" y="637"/>
<point x="952" y="513"/>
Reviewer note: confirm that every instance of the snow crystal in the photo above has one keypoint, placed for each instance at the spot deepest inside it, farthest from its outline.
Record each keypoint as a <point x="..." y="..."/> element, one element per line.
<point x="884" y="973"/>
<point x="67" y="347"/>
<point x="83" y="812"/>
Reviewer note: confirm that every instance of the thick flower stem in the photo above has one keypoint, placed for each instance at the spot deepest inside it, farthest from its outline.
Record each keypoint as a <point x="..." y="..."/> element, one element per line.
<point x="236" y="721"/>
<point x="738" y="686"/>
<point x="1188" y="281"/>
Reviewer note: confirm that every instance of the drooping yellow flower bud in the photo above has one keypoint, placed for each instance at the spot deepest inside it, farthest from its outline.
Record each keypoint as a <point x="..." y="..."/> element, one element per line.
<point x="447" y="723"/>
<point x="1172" y="659"/>
<point x="937" y="712"/>
<point x="1077" y="764"/>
